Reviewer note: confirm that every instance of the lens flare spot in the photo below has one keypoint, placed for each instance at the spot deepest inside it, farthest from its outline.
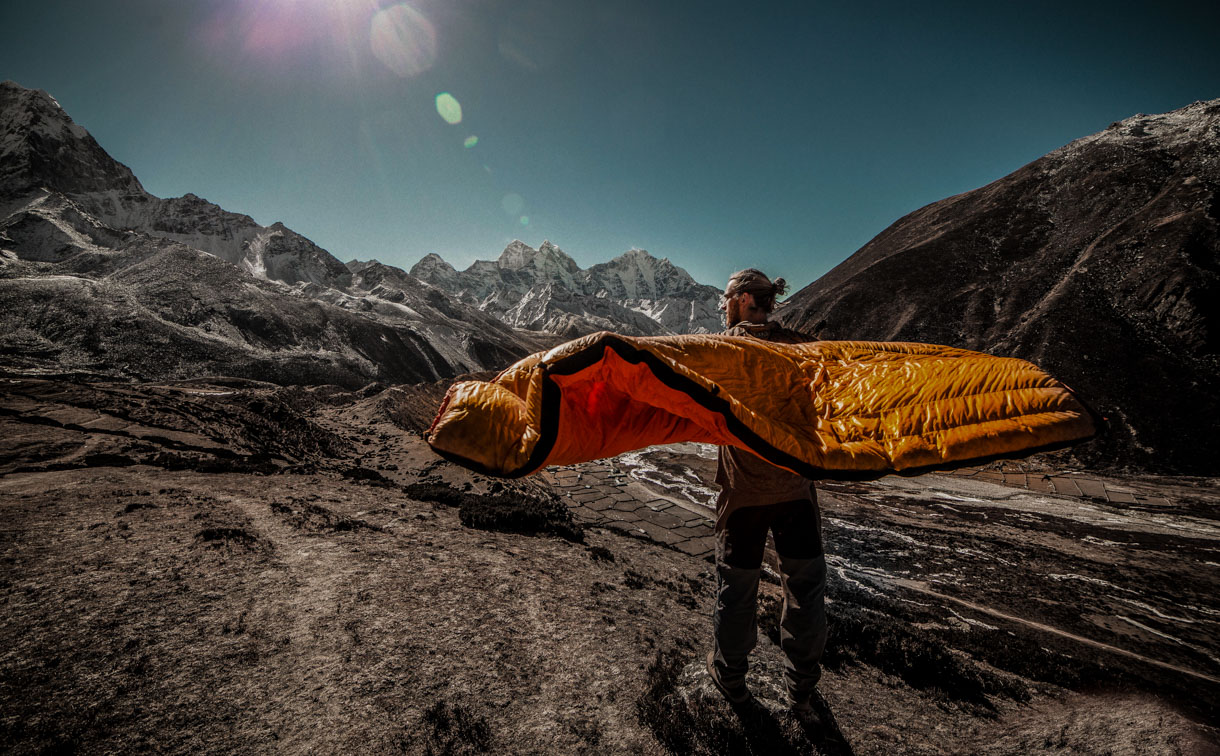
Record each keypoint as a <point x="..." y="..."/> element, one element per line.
<point x="449" y="108"/>
<point x="403" y="40"/>
<point x="512" y="203"/>
<point x="524" y="220"/>
<point x="471" y="141"/>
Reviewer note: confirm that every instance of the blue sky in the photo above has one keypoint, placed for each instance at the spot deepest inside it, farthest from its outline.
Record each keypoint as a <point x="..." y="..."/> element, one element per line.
<point x="718" y="134"/>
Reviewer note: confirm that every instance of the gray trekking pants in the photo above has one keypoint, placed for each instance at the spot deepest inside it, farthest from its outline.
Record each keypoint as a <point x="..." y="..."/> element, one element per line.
<point x="797" y="528"/>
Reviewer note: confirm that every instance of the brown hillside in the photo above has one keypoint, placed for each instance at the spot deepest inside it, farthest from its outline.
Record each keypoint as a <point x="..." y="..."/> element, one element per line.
<point x="1100" y="262"/>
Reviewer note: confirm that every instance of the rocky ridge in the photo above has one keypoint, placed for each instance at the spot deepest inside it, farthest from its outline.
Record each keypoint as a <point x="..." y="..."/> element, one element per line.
<point x="1099" y="261"/>
<point x="99" y="276"/>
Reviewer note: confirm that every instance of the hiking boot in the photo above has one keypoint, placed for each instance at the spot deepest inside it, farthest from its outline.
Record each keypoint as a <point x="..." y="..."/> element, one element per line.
<point x="803" y="706"/>
<point x="736" y="694"/>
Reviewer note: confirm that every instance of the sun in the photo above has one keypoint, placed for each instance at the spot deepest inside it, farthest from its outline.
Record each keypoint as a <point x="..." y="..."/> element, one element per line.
<point x="397" y="38"/>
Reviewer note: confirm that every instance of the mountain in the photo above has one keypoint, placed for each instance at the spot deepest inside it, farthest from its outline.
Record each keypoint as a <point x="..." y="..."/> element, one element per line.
<point x="1099" y="261"/>
<point x="99" y="276"/>
<point x="545" y="290"/>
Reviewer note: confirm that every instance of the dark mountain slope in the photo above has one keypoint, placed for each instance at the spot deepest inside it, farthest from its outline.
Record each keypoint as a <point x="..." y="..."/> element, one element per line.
<point x="1100" y="262"/>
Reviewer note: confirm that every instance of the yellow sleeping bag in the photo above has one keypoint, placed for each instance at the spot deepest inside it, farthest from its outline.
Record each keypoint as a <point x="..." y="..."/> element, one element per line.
<point x="823" y="409"/>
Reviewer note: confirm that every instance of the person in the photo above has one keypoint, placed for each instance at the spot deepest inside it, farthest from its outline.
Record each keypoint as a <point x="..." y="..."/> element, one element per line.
<point x="756" y="496"/>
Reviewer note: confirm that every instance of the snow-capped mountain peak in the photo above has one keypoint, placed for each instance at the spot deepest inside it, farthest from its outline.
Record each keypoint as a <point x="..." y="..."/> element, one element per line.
<point x="545" y="289"/>
<point x="548" y="259"/>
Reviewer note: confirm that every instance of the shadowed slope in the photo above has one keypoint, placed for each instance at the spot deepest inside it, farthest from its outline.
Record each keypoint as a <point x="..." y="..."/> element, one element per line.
<point x="1100" y="262"/>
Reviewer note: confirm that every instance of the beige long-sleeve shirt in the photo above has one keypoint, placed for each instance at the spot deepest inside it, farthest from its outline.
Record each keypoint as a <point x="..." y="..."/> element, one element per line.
<point x="745" y="479"/>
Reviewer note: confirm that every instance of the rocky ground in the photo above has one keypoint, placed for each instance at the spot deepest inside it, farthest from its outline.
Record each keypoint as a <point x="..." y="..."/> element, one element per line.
<point x="238" y="567"/>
